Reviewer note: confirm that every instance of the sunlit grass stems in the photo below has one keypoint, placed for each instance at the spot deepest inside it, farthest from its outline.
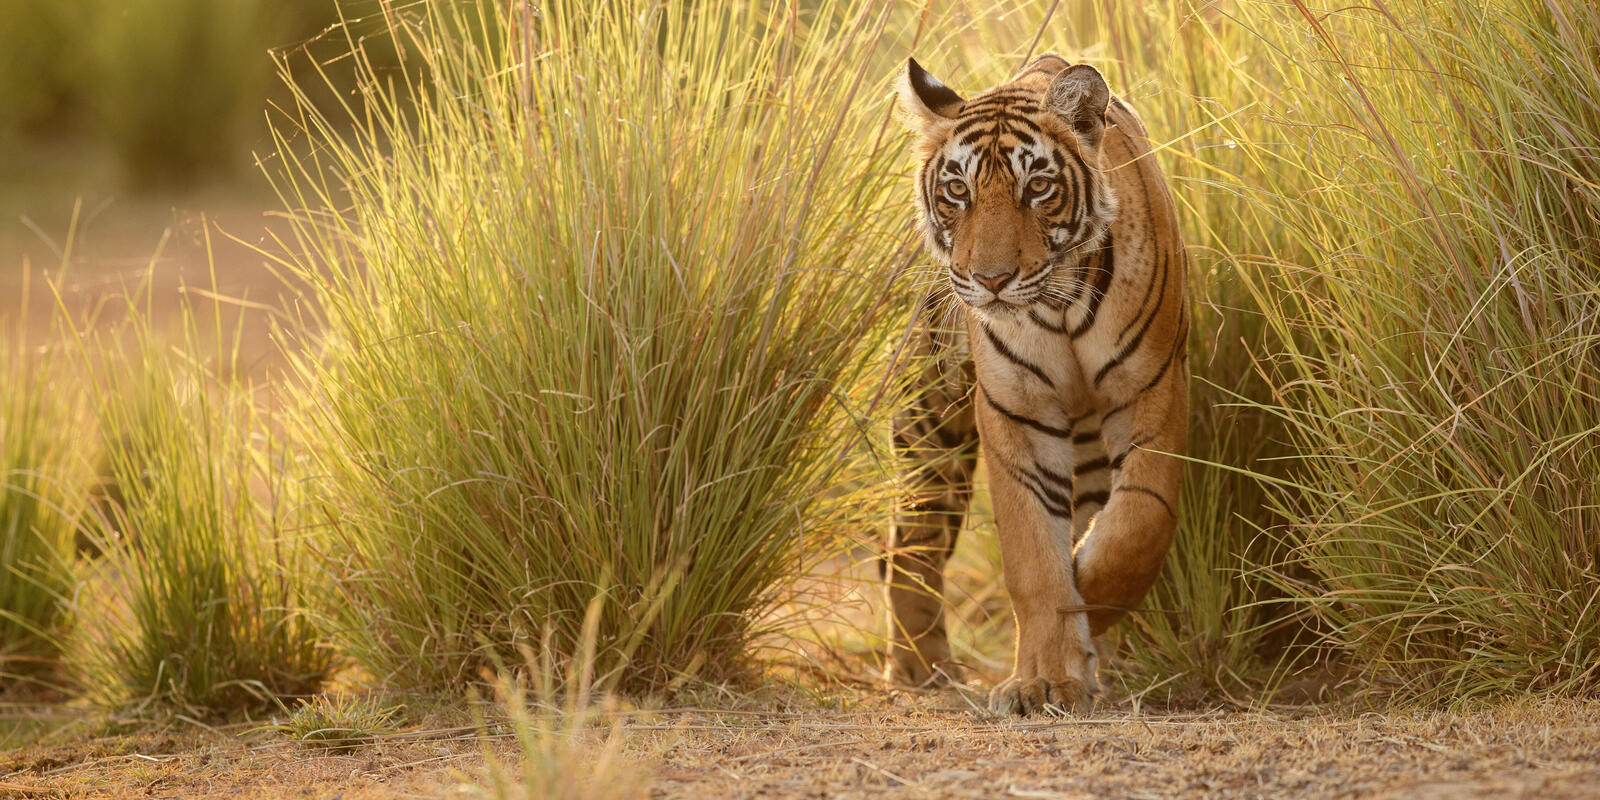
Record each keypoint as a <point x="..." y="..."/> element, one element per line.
<point x="1446" y="402"/>
<point x="196" y="603"/>
<point x="602" y="277"/>
<point x="43" y="485"/>
<point x="1400" y="217"/>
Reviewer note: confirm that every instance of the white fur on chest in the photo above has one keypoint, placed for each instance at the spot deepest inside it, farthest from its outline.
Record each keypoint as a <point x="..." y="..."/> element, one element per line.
<point x="1025" y="368"/>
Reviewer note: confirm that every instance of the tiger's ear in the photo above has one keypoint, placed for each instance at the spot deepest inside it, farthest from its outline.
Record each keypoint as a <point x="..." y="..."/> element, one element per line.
<point x="925" y="99"/>
<point x="1080" y="96"/>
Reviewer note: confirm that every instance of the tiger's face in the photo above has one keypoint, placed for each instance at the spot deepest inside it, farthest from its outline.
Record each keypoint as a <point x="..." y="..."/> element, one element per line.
<point x="1011" y="193"/>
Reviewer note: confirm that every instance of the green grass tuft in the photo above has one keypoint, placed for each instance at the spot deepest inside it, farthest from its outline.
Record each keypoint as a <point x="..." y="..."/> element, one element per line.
<point x="341" y="723"/>
<point x="43" y="485"/>
<point x="197" y="603"/>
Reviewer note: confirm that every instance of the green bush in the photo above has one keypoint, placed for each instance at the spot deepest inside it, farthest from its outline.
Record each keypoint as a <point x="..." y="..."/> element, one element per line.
<point x="171" y="83"/>
<point x="604" y="278"/>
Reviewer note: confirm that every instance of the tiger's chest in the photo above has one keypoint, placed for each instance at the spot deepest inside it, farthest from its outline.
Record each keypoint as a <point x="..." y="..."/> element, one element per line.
<point x="1026" y="368"/>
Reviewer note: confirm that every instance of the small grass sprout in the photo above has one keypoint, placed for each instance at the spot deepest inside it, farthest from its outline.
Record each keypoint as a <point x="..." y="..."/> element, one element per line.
<point x="341" y="723"/>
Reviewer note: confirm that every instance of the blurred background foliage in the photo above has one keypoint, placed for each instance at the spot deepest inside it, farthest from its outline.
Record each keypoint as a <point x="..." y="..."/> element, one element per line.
<point x="172" y="92"/>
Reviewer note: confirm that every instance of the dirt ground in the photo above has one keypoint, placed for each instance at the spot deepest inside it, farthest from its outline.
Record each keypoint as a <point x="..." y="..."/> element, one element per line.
<point x="889" y="745"/>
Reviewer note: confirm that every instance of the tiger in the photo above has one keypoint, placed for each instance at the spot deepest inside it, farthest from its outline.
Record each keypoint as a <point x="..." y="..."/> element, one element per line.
<point x="1056" y="338"/>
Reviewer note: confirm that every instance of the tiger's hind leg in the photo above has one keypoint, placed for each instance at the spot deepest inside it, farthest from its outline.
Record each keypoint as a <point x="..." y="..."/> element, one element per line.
<point x="936" y="438"/>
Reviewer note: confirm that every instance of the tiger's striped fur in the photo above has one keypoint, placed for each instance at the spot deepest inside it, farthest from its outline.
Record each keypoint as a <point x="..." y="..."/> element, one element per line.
<point x="1058" y="237"/>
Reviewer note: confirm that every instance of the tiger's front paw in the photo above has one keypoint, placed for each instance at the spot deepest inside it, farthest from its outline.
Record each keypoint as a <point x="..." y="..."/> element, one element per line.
<point x="1018" y="695"/>
<point x="1055" y="672"/>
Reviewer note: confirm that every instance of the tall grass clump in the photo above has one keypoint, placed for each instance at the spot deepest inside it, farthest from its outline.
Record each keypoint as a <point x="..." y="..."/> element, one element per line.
<point x="43" y="484"/>
<point x="198" y="602"/>
<point x="1393" y="213"/>
<point x="602" y="276"/>
<point x="1444" y="397"/>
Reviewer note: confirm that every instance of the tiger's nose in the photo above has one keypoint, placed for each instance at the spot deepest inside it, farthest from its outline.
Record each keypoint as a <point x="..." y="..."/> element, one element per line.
<point x="993" y="280"/>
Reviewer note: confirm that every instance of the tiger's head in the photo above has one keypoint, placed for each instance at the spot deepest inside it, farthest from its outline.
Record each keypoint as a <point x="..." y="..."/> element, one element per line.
<point x="1012" y="193"/>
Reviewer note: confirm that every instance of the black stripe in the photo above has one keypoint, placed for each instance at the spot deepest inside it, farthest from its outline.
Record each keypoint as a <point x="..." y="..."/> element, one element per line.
<point x="1054" y="502"/>
<point x="1002" y="98"/>
<point x="1072" y="186"/>
<point x="1102" y="287"/>
<point x="1086" y="437"/>
<point x="1095" y="498"/>
<point x="1138" y="443"/>
<point x="1058" y="503"/>
<point x="1152" y="493"/>
<point x="930" y="183"/>
<point x="1057" y="478"/>
<point x="1127" y="349"/>
<point x="996" y="159"/>
<point x="1058" y="204"/>
<point x="1032" y="280"/>
<point x="973" y="138"/>
<point x="1043" y="323"/>
<point x="1092" y="465"/>
<point x="992" y="118"/>
<point x="1084" y="186"/>
<point x="1060" y="433"/>
<point x="1149" y="287"/>
<point x="1178" y="343"/>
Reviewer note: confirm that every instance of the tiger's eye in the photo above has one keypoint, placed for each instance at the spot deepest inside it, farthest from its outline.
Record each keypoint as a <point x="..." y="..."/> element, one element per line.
<point x="955" y="188"/>
<point x="1038" y="186"/>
